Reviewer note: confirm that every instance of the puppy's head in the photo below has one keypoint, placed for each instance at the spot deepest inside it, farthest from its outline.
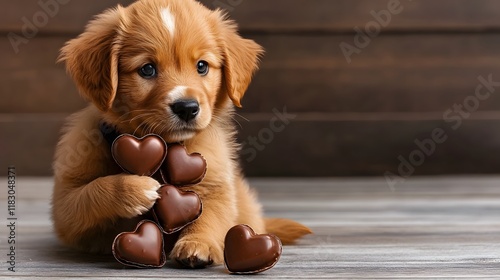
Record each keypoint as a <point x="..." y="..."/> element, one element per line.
<point x="162" y="66"/>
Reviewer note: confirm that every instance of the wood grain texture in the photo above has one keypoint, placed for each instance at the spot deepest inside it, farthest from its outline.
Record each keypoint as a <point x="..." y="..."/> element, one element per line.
<point x="428" y="228"/>
<point x="410" y="73"/>
<point x="285" y="15"/>
<point x="343" y="15"/>
<point x="32" y="82"/>
<point x="66" y="16"/>
<point x="28" y="142"/>
<point x="355" y="148"/>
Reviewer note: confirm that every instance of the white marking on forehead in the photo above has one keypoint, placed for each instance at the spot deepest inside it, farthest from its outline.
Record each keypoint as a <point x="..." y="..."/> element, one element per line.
<point x="177" y="93"/>
<point x="168" y="20"/>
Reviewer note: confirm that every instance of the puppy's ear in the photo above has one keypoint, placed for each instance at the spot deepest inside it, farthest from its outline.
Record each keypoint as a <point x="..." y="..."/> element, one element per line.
<point x="92" y="59"/>
<point x="241" y="59"/>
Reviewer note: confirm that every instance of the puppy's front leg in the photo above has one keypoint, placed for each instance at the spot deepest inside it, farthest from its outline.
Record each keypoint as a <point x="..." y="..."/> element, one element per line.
<point x="202" y="243"/>
<point x="83" y="211"/>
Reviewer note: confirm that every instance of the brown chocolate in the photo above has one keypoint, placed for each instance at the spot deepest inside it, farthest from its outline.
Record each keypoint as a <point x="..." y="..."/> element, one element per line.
<point x="248" y="253"/>
<point x="175" y="209"/>
<point x="142" y="248"/>
<point x="183" y="169"/>
<point x="139" y="156"/>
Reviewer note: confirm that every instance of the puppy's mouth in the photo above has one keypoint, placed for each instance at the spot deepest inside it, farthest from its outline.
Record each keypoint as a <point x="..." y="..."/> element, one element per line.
<point x="179" y="135"/>
<point x="185" y="120"/>
<point x="180" y="131"/>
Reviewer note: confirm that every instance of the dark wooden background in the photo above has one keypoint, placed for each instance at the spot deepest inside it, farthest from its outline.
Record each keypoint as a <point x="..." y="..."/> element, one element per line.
<point x="351" y="118"/>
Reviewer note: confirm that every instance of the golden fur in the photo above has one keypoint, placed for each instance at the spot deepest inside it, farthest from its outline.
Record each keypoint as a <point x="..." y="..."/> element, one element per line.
<point x="93" y="199"/>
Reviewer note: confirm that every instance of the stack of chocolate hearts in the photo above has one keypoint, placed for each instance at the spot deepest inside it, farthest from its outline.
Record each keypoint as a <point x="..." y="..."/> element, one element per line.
<point x="147" y="247"/>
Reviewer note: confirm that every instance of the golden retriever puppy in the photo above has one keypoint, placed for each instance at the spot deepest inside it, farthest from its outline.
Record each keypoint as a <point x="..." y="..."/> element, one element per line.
<point x="176" y="69"/>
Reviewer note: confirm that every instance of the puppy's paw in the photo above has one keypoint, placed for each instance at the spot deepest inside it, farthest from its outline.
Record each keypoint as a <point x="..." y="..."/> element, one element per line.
<point x="197" y="252"/>
<point x="140" y="194"/>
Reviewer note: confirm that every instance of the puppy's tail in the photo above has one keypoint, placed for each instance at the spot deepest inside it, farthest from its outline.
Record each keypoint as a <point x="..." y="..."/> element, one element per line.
<point x="287" y="230"/>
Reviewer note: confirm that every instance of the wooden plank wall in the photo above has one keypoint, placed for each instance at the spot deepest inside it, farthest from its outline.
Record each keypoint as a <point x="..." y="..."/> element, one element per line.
<point x="357" y="118"/>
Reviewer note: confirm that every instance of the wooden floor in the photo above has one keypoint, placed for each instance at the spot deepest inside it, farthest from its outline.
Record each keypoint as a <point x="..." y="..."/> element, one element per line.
<point x="430" y="227"/>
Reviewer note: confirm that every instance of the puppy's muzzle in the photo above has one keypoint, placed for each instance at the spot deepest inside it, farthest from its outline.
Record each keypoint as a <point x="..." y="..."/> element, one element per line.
<point x="186" y="110"/>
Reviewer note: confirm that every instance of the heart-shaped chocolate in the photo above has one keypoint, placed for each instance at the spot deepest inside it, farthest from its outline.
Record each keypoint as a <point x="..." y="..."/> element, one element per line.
<point x="247" y="253"/>
<point x="183" y="169"/>
<point x="139" y="156"/>
<point x="175" y="209"/>
<point x="142" y="248"/>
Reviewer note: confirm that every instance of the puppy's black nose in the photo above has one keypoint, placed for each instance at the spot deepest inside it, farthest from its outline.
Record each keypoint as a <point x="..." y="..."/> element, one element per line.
<point x="186" y="110"/>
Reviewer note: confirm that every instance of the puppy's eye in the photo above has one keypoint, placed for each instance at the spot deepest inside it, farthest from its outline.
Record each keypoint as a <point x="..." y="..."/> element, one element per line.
<point x="202" y="67"/>
<point x="148" y="71"/>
